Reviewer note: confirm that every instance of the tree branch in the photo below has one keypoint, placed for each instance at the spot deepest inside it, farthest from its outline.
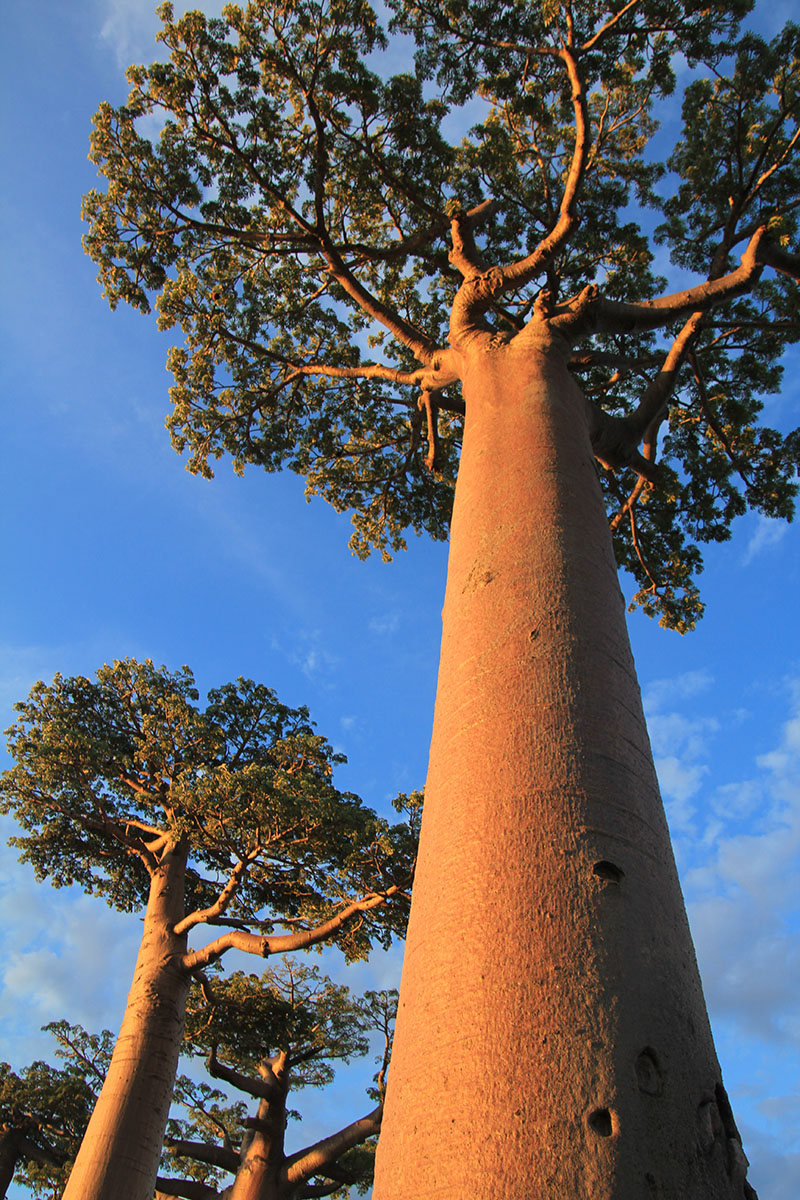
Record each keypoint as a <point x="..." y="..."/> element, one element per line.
<point x="263" y="946"/>
<point x="190" y="1189"/>
<point x="590" y="313"/>
<point x="527" y="268"/>
<point x="705" y="404"/>
<point x="482" y="287"/>
<point x="656" y="396"/>
<point x="781" y="260"/>
<point x="314" y="1159"/>
<point x="265" y="1088"/>
<point x="215" y="1156"/>
<point x="223" y="900"/>
<point x="603" y="30"/>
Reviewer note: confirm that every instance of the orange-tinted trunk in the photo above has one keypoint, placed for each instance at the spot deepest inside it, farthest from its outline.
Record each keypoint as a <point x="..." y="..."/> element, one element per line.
<point x="118" y="1158"/>
<point x="552" y="1041"/>
<point x="257" y="1177"/>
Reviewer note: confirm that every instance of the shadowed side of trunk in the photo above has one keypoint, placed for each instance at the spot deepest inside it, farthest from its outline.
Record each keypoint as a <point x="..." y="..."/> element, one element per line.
<point x="120" y="1151"/>
<point x="552" y="1039"/>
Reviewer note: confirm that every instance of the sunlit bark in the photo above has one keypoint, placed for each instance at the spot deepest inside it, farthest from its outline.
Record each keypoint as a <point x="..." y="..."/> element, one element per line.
<point x="552" y="1032"/>
<point x="121" y="1148"/>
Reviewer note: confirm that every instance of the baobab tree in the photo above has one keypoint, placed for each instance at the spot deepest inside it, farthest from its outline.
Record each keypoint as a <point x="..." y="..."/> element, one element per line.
<point x="43" y="1113"/>
<point x="223" y="817"/>
<point x="460" y="332"/>
<point x="268" y="1038"/>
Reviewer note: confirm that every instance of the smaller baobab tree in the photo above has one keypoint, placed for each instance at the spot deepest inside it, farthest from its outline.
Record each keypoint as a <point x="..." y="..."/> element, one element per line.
<point x="44" y="1111"/>
<point x="268" y="1037"/>
<point x="225" y="816"/>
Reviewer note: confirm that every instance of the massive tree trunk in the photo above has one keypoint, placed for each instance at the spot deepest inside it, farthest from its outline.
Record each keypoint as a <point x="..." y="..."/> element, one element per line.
<point x="119" y="1155"/>
<point x="552" y="1041"/>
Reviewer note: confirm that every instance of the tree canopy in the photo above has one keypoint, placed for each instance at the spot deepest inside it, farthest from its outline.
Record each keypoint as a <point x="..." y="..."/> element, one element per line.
<point x="269" y="1037"/>
<point x="318" y="225"/>
<point x="112" y="774"/>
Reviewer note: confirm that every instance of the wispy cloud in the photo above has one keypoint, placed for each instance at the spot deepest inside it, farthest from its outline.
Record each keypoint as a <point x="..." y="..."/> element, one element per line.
<point x="386" y="623"/>
<point x="51" y="968"/>
<point x="130" y="26"/>
<point x="743" y="899"/>
<point x="671" y="690"/>
<point x="767" y="533"/>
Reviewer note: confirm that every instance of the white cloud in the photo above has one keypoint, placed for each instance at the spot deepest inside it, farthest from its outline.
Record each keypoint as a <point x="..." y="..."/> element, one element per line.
<point x="767" y="533"/>
<point x="52" y="967"/>
<point x="388" y="623"/>
<point x="130" y="26"/>
<point x="743" y="850"/>
<point x="743" y="899"/>
<point x="680" y="744"/>
<point x="680" y="687"/>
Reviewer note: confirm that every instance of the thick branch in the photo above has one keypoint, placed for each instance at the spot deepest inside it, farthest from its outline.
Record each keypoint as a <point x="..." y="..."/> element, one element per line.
<point x="264" y="946"/>
<point x="38" y="1151"/>
<point x="264" y="1088"/>
<point x="482" y="287"/>
<point x="431" y="414"/>
<point x="314" y="1159"/>
<point x="657" y="393"/>
<point x="527" y="268"/>
<point x="590" y="313"/>
<point x="190" y="1189"/>
<point x="421" y="346"/>
<point x="463" y="253"/>
<point x="223" y="900"/>
<point x="604" y="29"/>
<point x="315" y="1190"/>
<point x="781" y="260"/>
<point x="204" y="1152"/>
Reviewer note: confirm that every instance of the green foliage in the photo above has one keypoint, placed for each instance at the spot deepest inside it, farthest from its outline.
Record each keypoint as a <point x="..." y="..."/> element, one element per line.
<point x="111" y="773"/>
<point x="292" y="1008"/>
<point x="246" y="1021"/>
<point x="291" y="217"/>
<point x="46" y="1109"/>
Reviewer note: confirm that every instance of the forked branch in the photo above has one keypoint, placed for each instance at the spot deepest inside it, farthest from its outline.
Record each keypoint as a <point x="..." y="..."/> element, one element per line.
<point x="591" y="313"/>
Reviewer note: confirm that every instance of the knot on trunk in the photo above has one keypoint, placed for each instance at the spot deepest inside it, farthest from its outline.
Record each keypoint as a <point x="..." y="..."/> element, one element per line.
<point x="487" y="284"/>
<point x="615" y="444"/>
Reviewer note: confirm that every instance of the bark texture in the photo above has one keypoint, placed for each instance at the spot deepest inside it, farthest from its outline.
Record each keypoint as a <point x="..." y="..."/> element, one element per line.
<point x="119" y="1155"/>
<point x="552" y="1040"/>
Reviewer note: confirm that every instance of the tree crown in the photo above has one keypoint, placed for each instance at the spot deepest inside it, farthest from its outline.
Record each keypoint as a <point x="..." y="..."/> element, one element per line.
<point x="303" y="208"/>
<point x="114" y="773"/>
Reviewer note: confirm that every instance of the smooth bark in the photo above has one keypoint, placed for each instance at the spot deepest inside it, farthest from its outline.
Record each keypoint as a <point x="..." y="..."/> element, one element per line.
<point x="119" y="1155"/>
<point x="552" y="1040"/>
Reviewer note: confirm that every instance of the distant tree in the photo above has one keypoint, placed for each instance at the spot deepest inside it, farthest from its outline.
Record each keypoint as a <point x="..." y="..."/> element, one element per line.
<point x="43" y="1113"/>
<point x="269" y="1037"/>
<point x="384" y="301"/>
<point x="44" y="1110"/>
<point x="224" y="816"/>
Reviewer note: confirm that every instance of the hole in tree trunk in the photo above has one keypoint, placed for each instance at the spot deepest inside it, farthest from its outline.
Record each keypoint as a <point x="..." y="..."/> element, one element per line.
<point x="648" y="1073"/>
<point x="600" y="1122"/>
<point x="607" y="871"/>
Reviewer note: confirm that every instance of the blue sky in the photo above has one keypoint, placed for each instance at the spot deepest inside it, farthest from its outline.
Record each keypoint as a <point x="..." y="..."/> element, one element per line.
<point x="112" y="549"/>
